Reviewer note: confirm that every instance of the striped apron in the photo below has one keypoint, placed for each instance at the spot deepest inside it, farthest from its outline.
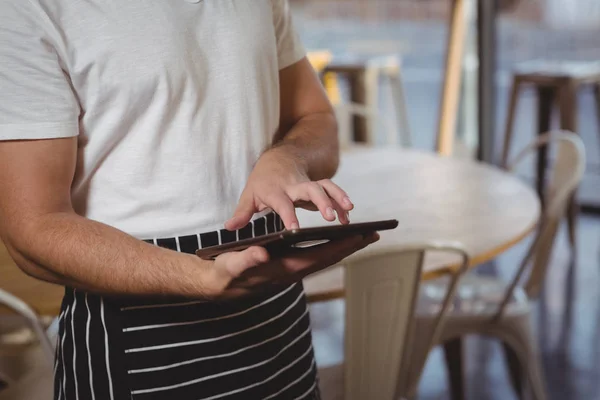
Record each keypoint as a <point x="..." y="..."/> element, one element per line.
<point x="257" y="347"/>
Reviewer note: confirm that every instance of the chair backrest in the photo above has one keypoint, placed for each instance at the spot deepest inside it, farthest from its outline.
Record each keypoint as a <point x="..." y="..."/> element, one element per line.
<point x="567" y="172"/>
<point x="381" y="294"/>
<point x="33" y="320"/>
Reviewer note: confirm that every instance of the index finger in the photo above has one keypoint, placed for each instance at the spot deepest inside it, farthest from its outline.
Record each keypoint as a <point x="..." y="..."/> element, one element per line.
<point x="282" y="205"/>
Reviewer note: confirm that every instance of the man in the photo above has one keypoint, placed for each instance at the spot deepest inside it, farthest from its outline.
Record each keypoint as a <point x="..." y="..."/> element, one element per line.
<point x="129" y="131"/>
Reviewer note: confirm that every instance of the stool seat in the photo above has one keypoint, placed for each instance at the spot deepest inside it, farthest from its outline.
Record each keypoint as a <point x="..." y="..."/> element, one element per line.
<point x="581" y="71"/>
<point x="355" y="63"/>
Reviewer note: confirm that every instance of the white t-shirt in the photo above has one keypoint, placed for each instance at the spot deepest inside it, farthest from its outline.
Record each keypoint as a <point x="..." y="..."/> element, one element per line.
<point x="172" y="101"/>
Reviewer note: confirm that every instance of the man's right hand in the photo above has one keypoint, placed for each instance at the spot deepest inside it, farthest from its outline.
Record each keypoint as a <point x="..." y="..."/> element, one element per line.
<point x="237" y="274"/>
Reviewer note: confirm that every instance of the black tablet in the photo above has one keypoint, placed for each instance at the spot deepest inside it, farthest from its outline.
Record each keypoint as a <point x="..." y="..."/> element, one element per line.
<point x="299" y="238"/>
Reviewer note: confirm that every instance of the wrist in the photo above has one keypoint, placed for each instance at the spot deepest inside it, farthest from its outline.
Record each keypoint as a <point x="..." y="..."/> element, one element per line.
<point x="197" y="280"/>
<point x="284" y="160"/>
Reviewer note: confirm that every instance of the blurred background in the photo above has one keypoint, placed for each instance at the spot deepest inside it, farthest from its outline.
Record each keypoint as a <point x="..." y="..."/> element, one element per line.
<point x="417" y="32"/>
<point x="426" y="94"/>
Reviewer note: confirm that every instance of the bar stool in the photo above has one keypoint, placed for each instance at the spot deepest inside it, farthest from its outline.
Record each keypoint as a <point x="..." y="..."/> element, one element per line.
<point x="320" y="59"/>
<point x="555" y="82"/>
<point x="364" y="75"/>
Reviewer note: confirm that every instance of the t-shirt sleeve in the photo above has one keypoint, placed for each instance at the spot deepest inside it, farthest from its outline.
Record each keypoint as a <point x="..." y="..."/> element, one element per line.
<point x="36" y="97"/>
<point x="289" y="46"/>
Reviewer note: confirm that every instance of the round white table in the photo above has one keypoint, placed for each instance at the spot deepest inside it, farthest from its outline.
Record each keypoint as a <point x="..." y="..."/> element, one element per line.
<point x="434" y="198"/>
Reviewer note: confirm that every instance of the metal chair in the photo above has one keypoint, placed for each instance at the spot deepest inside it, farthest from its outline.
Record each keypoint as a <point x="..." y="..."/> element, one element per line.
<point x="37" y="384"/>
<point x="29" y="353"/>
<point x="32" y="319"/>
<point x="490" y="307"/>
<point x="381" y="359"/>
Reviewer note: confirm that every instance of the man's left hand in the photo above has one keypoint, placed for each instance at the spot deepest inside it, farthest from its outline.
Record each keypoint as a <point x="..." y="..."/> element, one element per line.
<point x="280" y="182"/>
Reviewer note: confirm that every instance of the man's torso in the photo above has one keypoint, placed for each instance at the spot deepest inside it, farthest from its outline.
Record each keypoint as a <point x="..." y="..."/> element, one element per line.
<point x="177" y="102"/>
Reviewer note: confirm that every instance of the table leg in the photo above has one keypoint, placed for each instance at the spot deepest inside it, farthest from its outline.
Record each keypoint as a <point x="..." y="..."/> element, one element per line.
<point x="486" y="27"/>
<point x="454" y="355"/>
<point x="510" y="122"/>
<point x="358" y="95"/>
<point x="452" y="79"/>
<point x="597" y="99"/>
<point x="371" y="81"/>
<point x="568" y="121"/>
<point x="546" y="96"/>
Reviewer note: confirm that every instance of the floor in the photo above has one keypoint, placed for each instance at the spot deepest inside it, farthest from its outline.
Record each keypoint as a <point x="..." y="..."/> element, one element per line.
<point x="567" y="315"/>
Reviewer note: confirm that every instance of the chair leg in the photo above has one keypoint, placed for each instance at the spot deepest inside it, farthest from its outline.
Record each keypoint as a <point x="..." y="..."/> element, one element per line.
<point x="372" y="102"/>
<point x="400" y="107"/>
<point x="515" y="370"/>
<point x="344" y="121"/>
<point x="527" y="360"/>
<point x="521" y="349"/>
<point x="4" y="382"/>
<point x="510" y="121"/>
<point x="453" y="352"/>
<point x="535" y="379"/>
<point x="358" y="95"/>
<point x="572" y="218"/>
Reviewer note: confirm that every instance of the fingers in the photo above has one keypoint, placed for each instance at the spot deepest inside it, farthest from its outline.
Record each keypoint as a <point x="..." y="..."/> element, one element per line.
<point x="337" y="194"/>
<point x="326" y="196"/>
<point x="313" y="193"/>
<point x="341" y="201"/>
<point x="342" y="214"/>
<point x="243" y="213"/>
<point x="282" y="205"/>
<point x="373" y="237"/>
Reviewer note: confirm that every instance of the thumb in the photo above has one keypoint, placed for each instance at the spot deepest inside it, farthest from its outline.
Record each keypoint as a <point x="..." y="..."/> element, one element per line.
<point x="236" y="263"/>
<point x="242" y="215"/>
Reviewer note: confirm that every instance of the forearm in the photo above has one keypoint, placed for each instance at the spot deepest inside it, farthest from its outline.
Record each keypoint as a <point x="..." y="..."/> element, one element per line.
<point x="68" y="249"/>
<point x="312" y="143"/>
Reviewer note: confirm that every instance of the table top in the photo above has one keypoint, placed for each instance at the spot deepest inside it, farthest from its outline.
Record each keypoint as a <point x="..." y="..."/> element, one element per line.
<point x="543" y="70"/>
<point x="435" y="199"/>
